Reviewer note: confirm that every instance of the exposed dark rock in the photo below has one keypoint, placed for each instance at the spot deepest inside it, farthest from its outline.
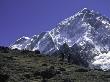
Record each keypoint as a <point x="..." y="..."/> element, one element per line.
<point x="25" y="51"/>
<point x="37" y="52"/>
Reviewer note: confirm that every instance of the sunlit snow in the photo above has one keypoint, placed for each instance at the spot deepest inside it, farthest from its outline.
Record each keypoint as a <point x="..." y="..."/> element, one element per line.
<point x="102" y="60"/>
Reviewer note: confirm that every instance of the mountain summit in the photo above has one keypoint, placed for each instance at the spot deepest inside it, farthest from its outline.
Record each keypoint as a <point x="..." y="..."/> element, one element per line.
<point x="87" y="31"/>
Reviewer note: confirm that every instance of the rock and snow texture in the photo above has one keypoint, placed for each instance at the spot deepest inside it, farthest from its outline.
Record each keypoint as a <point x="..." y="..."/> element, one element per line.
<point x="102" y="61"/>
<point x="87" y="29"/>
<point x="19" y="44"/>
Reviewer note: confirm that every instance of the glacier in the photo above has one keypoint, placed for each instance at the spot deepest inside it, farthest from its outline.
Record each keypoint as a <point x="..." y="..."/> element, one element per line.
<point x="87" y="30"/>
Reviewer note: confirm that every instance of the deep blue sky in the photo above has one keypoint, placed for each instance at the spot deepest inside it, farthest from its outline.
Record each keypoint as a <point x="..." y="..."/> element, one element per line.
<point x="30" y="17"/>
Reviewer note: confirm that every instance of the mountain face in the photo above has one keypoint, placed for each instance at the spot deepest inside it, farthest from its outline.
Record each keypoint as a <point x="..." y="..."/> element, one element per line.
<point x="87" y="35"/>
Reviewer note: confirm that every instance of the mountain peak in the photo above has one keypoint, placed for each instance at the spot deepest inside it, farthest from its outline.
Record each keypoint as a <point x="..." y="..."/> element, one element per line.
<point x="87" y="29"/>
<point x="85" y="10"/>
<point x="25" y="37"/>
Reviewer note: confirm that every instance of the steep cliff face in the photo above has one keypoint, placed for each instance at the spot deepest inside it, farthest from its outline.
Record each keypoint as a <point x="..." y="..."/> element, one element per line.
<point x="89" y="30"/>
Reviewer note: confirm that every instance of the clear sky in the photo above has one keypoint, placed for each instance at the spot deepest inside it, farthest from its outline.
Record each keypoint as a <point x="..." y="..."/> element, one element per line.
<point x="29" y="17"/>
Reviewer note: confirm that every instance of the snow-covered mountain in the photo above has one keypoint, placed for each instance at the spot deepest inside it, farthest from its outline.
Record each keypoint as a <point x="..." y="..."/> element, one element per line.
<point x="87" y="32"/>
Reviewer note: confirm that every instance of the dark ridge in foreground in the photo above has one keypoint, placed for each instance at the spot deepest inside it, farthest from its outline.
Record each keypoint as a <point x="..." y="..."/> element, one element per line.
<point x="28" y="66"/>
